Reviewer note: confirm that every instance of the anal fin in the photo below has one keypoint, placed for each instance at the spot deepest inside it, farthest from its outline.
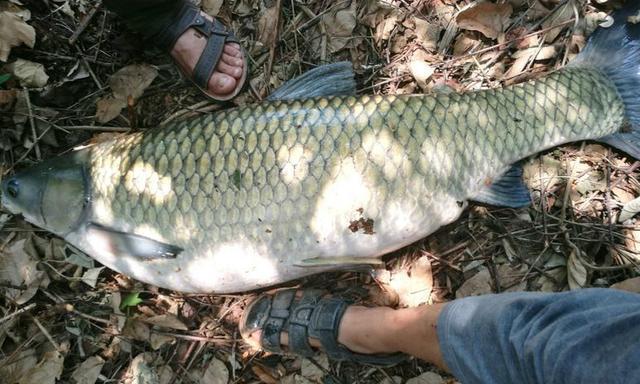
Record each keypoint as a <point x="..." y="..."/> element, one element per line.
<point x="140" y="247"/>
<point x="507" y="191"/>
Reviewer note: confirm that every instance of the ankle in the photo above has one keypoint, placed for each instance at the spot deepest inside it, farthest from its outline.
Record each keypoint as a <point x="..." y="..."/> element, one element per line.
<point x="368" y="330"/>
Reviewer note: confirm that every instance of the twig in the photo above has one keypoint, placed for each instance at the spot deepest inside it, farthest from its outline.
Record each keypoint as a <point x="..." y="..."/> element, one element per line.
<point x="94" y="128"/>
<point x="85" y="22"/>
<point x="18" y="312"/>
<point x="47" y="335"/>
<point x="32" y="123"/>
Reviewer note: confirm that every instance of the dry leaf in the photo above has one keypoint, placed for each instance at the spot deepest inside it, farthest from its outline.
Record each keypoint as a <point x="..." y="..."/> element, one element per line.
<point x="420" y="70"/>
<point x="47" y="371"/>
<point x="487" y="18"/>
<point x="629" y="210"/>
<point x="16" y="366"/>
<point x="267" y="26"/>
<point x="30" y="74"/>
<point x="426" y="378"/>
<point x="413" y="285"/>
<point x="167" y="321"/>
<point x="140" y="371"/>
<point x="211" y="7"/>
<point x="90" y="277"/>
<point x="312" y="372"/>
<point x="157" y="341"/>
<point x="130" y="81"/>
<point x="13" y="32"/>
<point x="88" y="371"/>
<point x="427" y="33"/>
<point x="576" y="272"/>
<point x="108" y="108"/>
<point x="136" y="329"/>
<point x="339" y="26"/>
<point x="19" y="267"/>
<point x="560" y="17"/>
<point x="478" y="284"/>
<point x="7" y="96"/>
<point x="216" y="373"/>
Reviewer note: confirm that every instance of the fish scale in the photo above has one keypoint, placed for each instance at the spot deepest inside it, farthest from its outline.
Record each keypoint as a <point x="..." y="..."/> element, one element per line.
<point x="285" y="180"/>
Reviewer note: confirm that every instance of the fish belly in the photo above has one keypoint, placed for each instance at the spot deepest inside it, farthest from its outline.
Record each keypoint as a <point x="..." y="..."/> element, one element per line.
<point x="252" y="192"/>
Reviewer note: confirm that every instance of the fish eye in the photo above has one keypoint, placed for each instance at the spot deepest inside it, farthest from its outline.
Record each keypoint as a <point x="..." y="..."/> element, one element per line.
<point x="13" y="188"/>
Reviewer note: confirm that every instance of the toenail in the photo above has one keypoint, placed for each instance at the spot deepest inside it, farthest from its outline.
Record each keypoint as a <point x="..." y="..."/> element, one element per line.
<point x="223" y="81"/>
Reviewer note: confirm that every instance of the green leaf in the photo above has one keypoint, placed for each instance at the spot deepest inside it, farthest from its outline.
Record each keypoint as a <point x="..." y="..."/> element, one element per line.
<point x="131" y="300"/>
<point x="4" y="78"/>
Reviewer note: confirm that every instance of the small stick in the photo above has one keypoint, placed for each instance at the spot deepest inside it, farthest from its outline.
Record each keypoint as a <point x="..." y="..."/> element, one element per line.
<point x="16" y="313"/>
<point x="94" y="128"/>
<point x="47" y="335"/>
<point x="32" y="123"/>
<point x="85" y="22"/>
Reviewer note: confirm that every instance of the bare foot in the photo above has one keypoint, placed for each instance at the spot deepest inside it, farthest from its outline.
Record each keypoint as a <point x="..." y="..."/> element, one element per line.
<point x="227" y="73"/>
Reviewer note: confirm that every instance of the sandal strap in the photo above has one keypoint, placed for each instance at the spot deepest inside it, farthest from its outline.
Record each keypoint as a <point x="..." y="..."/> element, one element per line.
<point x="215" y="32"/>
<point x="185" y="19"/>
<point x="217" y="36"/>
<point x="276" y="320"/>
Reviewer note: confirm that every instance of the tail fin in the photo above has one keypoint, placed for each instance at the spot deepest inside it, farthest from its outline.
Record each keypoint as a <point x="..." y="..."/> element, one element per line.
<point x="616" y="52"/>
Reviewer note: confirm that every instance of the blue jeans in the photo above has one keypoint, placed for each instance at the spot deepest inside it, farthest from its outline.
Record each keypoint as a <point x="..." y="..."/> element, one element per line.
<point x="584" y="336"/>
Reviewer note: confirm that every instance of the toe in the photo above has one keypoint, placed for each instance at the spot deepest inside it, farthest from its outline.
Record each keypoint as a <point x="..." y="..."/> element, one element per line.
<point x="232" y="61"/>
<point x="221" y="83"/>
<point x="233" y="49"/>
<point x="230" y="70"/>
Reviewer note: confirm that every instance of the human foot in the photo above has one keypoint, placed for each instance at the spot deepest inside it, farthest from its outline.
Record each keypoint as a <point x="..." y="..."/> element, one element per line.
<point x="205" y="52"/>
<point x="302" y="322"/>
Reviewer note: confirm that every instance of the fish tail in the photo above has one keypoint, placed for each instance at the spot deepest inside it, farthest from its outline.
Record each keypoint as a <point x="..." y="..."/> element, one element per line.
<point x="615" y="51"/>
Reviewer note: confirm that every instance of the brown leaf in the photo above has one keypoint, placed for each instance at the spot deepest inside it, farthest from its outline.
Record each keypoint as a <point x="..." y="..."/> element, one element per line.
<point x="478" y="284"/>
<point x="88" y="371"/>
<point x="267" y="26"/>
<point x="576" y="272"/>
<point x="30" y="74"/>
<point x="561" y="16"/>
<point x="487" y="18"/>
<point x="413" y="285"/>
<point x="13" y="32"/>
<point x="141" y="371"/>
<point x="211" y="7"/>
<point x="47" y="371"/>
<point x="19" y="267"/>
<point x="339" y="26"/>
<point x="311" y="371"/>
<point x="426" y="378"/>
<point x="129" y="81"/>
<point x="108" y="108"/>
<point x="167" y="321"/>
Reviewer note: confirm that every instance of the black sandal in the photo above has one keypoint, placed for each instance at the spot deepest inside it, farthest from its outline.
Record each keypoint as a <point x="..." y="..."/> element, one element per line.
<point x="217" y="36"/>
<point x="308" y="316"/>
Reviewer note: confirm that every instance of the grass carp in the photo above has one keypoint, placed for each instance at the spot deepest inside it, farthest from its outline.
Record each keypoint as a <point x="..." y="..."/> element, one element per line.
<point x="313" y="179"/>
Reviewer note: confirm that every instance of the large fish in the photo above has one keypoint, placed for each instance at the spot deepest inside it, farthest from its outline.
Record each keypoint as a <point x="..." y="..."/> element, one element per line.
<point x="258" y="195"/>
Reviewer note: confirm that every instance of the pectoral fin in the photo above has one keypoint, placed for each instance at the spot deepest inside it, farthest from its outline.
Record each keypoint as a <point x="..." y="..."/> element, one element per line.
<point x="125" y="243"/>
<point x="507" y="191"/>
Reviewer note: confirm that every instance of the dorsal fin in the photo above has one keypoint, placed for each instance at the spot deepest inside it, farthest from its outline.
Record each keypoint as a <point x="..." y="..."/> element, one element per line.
<point x="335" y="79"/>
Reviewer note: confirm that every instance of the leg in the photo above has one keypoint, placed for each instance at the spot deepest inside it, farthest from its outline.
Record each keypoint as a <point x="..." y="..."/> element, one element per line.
<point x="150" y="18"/>
<point x="573" y="337"/>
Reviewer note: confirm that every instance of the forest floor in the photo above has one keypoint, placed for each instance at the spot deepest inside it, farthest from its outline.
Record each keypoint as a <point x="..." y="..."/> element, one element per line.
<point x="66" y="319"/>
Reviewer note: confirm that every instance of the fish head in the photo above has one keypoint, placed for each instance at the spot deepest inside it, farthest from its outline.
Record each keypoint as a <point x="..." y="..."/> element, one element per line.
<point x="52" y="195"/>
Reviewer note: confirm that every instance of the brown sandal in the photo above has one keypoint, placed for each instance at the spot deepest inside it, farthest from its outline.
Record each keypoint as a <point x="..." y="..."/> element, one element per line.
<point x="217" y="36"/>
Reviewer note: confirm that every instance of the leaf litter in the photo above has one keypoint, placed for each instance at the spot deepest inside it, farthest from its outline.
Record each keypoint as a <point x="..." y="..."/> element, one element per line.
<point x="581" y="231"/>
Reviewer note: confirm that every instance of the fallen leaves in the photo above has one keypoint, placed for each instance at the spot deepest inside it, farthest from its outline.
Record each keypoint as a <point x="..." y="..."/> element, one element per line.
<point x="47" y="371"/>
<point x="19" y="267"/>
<point x="88" y="371"/>
<point x="30" y="74"/>
<point x="487" y="18"/>
<point x="14" y="31"/>
<point x="413" y="284"/>
<point x="127" y="83"/>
